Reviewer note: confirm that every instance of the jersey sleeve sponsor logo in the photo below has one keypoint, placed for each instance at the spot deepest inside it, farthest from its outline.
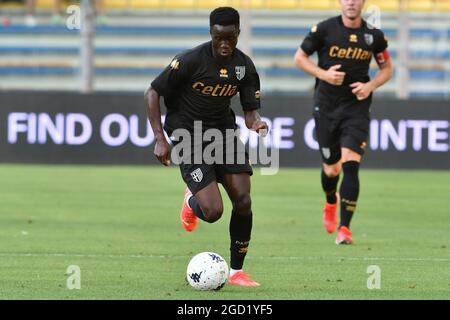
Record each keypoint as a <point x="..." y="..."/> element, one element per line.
<point x="314" y="29"/>
<point x="350" y="53"/>
<point x="369" y="38"/>
<point x="175" y="64"/>
<point x="219" y="90"/>
<point x="240" y="72"/>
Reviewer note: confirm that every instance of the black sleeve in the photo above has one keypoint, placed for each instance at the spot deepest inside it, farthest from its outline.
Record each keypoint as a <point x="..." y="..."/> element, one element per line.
<point x="381" y="42"/>
<point x="249" y="91"/>
<point x="176" y="73"/>
<point x="314" y="40"/>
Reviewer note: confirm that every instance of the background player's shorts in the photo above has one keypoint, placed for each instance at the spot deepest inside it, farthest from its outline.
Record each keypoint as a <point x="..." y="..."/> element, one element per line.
<point x="199" y="175"/>
<point x="334" y="134"/>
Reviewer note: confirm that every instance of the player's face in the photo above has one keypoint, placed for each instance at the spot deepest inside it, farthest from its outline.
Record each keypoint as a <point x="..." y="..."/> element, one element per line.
<point x="224" y="40"/>
<point x="352" y="9"/>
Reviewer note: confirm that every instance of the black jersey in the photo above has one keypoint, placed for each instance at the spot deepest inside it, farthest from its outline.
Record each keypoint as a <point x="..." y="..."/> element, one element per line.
<point x="196" y="87"/>
<point x="351" y="48"/>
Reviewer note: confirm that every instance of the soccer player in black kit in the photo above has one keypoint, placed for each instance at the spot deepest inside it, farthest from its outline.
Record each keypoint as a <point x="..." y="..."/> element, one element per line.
<point x="342" y="99"/>
<point x="198" y="86"/>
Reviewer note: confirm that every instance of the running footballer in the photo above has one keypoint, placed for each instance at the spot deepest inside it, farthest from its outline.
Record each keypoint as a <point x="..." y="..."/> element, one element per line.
<point x="198" y="86"/>
<point x="345" y="46"/>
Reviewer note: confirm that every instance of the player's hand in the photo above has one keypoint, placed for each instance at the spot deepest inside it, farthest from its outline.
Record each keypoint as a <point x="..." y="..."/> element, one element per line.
<point x="362" y="90"/>
<point x="162" y="152"/>
<point x="261" y="127"/>
<point x="333" y="76"/>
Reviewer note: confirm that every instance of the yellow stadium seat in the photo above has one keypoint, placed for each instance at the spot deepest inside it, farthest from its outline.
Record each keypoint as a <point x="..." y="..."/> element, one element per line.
<point x="146" y="4"/>
<point x="116" y="3"/>
<point x="420" y="5"/>
<point x="258" y="4"/>
<point x="209" y="4"/>
<point x="235" y="3"/>
<point x="384" y="5"/>
<point x="442" y="5"/>
<point x="44" y="3"/>
<point x="335" y="5"/>
<point x="179" y="4"/>
<point x="316" y="4"/>
<point x="282" y="4"/>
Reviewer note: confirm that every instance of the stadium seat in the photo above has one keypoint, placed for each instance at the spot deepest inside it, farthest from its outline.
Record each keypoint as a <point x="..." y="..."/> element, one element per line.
<point x="145" y="4"/>
<point x="387" y="5"/>
<point x="44" y="3"/>
<point x="420" y="5"/>
<point x="208" y="4"/>
<point x="315" y="4"/>
<point x="116" y="3"/>
<point x="258" y="4"/>
<point x="442" y="5"/>
<point x="282" y="4"/>
<point x="179" y="4"/>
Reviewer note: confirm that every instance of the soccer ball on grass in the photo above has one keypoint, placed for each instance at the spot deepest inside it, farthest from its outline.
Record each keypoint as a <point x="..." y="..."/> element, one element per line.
<point x="207" y="271"/>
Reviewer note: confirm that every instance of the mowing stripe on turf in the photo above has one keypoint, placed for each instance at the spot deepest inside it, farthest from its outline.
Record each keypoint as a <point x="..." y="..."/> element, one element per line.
<point x="78" y="255"/>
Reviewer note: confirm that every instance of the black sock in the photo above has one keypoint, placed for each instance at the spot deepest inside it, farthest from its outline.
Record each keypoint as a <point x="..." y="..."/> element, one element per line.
<point x="196" y="207"/>
<point x="240" y="231"/>
<point x="349" y="192"/>
<point x="329" y="186"/>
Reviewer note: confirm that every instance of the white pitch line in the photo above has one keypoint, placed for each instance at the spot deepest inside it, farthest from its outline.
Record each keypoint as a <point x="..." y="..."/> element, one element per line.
<point x="78" y="255"/>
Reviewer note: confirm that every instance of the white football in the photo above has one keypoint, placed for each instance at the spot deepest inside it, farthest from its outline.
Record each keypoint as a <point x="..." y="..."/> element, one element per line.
<point x="207" y="271"/>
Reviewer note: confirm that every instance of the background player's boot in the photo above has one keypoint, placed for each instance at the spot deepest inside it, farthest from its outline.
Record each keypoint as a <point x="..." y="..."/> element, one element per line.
<point x="344" y="236"/>
<point x="330" y="215"/>
<point x="241" y="278"/>
<point x="187" y="217"/>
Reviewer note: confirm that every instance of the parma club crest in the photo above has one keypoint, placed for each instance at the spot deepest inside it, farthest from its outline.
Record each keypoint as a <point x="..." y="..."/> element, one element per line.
<point x="197" y="175"/>
<point x="369" y="38"/>
<point x="240" y="72"/>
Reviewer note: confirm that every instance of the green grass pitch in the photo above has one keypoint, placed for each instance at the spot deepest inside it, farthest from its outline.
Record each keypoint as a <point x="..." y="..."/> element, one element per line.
<point x="120" y="225"/>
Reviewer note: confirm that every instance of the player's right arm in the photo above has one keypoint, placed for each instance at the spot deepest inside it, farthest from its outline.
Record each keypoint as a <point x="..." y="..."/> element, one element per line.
<point x="312" y="43"/>
<point x="162" y="147"/>
<point x="332" y="75"/>
<point x="166" y="84"/>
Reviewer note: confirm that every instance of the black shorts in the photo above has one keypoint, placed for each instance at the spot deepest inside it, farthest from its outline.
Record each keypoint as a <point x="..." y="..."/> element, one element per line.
<point x="199" y="174"/>
<point x="350" y="131"/>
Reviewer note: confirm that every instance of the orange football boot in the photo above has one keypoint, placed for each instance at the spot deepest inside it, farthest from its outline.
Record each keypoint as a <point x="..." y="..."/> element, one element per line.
<point x="187" y="217"/>
<point x="241" y="278"/>
<point x="344" y="236"/>
<point x="330" y="215"/>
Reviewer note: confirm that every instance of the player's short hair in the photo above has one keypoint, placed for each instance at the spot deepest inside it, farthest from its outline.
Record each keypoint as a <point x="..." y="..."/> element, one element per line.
<point x="224" y="16"/>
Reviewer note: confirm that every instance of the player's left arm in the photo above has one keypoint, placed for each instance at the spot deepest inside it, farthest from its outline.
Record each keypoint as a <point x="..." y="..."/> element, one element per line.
<point x="384" y="61"/>
<point x="363" y="90"/>
<point x="250" y="100"/>
<point x="253" y="122"/>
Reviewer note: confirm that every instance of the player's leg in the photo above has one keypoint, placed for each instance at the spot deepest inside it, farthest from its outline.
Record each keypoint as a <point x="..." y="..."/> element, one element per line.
<point x="237" y="187"/>
<point x="353" y="141"/>
<point x="207" y="203"/>
<point x="202" y="197"/>
<point x="330" y="178"/>
<point x="349" y="192"/>
<point x="330" y="149"/>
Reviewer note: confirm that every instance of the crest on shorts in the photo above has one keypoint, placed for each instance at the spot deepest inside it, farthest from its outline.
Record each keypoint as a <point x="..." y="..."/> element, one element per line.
<point x="197" y="175"/>
<point x="369" y="38"/>
<point x="240" y="72"/>
<point x="326" y="153"/>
